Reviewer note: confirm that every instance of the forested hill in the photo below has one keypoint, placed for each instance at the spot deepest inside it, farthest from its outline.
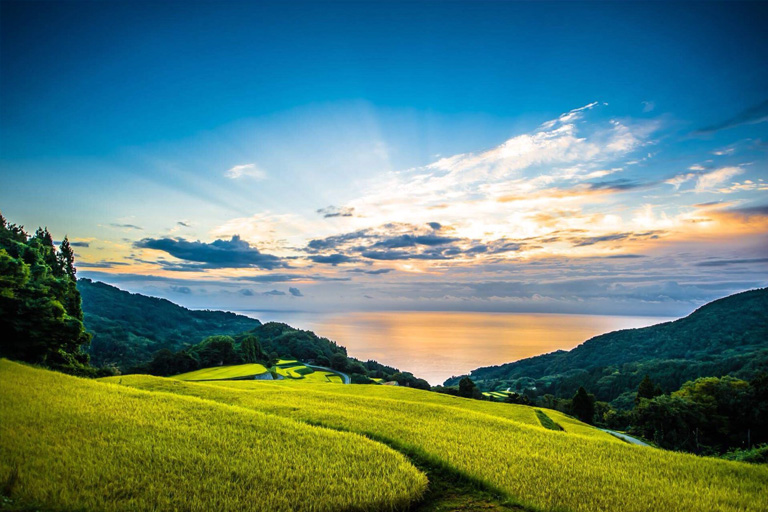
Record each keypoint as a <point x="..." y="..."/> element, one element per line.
<point x="128" y="328"/>
<point x="726" y="337"/>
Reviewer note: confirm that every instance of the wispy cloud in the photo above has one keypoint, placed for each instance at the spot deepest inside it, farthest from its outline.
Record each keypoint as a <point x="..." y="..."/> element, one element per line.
<point x="710" y="180"/>
<point x="752" y="115"/>
<point x="247" y="170"/>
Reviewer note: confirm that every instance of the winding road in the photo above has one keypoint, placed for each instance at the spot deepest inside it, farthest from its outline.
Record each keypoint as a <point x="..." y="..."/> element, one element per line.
<point x="343" y="376"/>
<point x="625" y="437"/>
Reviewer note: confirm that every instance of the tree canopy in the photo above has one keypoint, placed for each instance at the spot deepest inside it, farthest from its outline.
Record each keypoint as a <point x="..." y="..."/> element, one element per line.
<point x="41" y="319"/>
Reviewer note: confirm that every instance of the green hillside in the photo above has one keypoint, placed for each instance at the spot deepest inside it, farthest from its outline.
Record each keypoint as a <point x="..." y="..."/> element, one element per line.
<point x="726" y="337"/>
<point x="501" y="448"/>
<point x="128" y="328"/>
<point x="74" y="444"/>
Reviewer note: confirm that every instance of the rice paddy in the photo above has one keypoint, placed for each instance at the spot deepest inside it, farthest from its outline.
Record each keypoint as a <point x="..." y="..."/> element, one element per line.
<point x="240" y="371"/>
<point x="578" y="469"/>
<point x="74" y="444"/>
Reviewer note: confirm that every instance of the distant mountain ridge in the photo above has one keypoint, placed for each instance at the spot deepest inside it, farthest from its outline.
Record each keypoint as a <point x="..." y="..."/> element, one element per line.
<point x="128" y="328"/>
<point x="726" y="337"/>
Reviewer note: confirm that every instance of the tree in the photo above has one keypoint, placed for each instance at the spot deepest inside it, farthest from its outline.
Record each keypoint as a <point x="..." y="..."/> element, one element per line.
<point x="339" y="362"/>
<point x="250" y="350"/>
<point x="583" y="405"/>
<point x="41" y="319"/>
<point x="468" y="389"/>
<point x="66" y="258"/>
<point x="647" y="389"/>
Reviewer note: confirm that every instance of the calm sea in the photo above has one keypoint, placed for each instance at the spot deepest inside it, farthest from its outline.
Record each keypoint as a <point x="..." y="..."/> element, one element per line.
<point x="437" y="345"/>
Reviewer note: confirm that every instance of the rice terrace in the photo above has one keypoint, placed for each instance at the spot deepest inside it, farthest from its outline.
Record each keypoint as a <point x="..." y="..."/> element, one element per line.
<point x="376" y="256"/>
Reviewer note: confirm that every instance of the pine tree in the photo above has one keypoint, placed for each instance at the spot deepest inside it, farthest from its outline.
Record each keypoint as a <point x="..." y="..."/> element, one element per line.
<point x="67" y="258"/>
<point x="583" y="405"/>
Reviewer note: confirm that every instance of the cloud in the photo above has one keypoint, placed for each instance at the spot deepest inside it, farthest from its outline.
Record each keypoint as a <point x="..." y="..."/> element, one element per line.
<point x="186" y="290"/>
<point x="335" y="211"/>
<point x="333" y="259"/>
<point x="183" y="224"/>
<point x="435" y="225"/>
<point x="723" y="263"/>
<point x="127" y="226"/>
<point x="376" y="272"/>
<point x="710" y="180"/>
<point x="246" y="291"/>
<point x="101" y="264"/>
<point x="295" y="292"/>
<point x="234" y="253"/>
<point x="753" y="115"/>
<point x="247" y="170"/>
<point x="648" y="106"/>
<point x="678" y="180"/>
<point x="80" y="244"/>
<point x="274" y="293"/>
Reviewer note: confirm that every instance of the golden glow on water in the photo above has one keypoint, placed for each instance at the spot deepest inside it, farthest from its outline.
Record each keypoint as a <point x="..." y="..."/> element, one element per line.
<point x="437" y="345"/>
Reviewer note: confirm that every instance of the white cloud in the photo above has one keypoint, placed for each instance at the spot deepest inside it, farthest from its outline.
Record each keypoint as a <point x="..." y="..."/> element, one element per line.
<point x="249" y="170"/>
<point x="681" y="178"/>
<point x="648" y="106"/>
<point x="711" y="180"/>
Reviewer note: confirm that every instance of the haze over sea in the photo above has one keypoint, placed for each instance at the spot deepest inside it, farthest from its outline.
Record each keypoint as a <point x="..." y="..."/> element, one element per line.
<point x="438" y="345"/>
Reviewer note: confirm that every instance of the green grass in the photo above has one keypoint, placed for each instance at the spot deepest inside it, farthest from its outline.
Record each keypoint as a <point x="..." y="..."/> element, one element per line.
<point x="503" y="449"/>
<point x="224" y="372"/>
<point x="546" y="421"/>
<point x="294" y="370"/>
<point x="74" y="444"/>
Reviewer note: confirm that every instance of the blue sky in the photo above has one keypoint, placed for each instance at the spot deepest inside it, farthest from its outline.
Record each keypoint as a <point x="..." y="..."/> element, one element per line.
<point x="574" y="157"/>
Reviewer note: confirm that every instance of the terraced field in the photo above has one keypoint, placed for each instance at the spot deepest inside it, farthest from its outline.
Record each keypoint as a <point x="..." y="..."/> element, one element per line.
<point x="292" y="369"/>
<point x="74" y="444"/>
<point x="504" y="447"/>
<point x="239" y="371"/>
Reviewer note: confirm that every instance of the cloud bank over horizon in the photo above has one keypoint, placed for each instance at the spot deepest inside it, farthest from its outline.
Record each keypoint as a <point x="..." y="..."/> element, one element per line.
<point x="582" y="214"/>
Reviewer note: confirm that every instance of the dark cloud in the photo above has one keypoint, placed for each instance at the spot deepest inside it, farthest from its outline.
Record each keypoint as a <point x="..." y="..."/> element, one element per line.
<point x="333" y="241"/>
<point x="723" y="263"/>
<point x="755" y="114"/>
<point x="435" y="225"/>
<point x="274" y="292"/>
<point x="336" y="211"/>
<point x="234" y="253"/>
<point x="101" y="264"/>
<point x="186" y="290"/>
<point x="295" y="292"/>
<point x="624" y="256"/>
<point x="397" y="242"/>
<point x="247" y="292"/>
<point x="592" y="240"/>
<point x="79" y="244"/>
<point x="183" y="224"/>
<point x="127" y="226"/>
<point x="371" y="272"/>
<point x="333" y="259"/>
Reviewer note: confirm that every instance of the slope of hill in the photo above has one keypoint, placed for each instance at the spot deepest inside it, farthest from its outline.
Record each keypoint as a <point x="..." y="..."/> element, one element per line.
<point x="727" y="336"/>
<point x="74" y="444"/>
<point x="128" y="328"/>
<point x="500" y="447"/>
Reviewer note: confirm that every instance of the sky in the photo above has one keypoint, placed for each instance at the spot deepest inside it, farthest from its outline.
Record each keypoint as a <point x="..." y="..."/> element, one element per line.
<point x="593" y="158"/>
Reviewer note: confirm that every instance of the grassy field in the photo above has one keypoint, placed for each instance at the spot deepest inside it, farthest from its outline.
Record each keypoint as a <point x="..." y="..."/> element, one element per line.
<point x="76" y="444"/>
<point x="224" y="372"/>
<point x="292" y="369"/>
<point x="505" y="448"/>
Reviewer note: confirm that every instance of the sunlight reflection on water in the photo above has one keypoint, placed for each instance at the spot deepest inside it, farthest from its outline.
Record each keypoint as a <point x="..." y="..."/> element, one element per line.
<point x="437" y="345"/>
